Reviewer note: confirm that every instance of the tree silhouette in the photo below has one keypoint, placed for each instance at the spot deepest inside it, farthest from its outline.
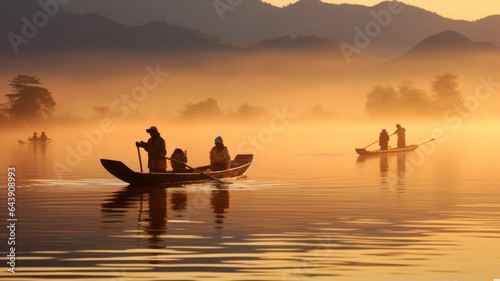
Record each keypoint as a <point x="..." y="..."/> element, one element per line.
<point x="412" y="100"/>
<point x="382" y="101"/>
<point x="445" y="89"/>
<point x="28" y="100"/>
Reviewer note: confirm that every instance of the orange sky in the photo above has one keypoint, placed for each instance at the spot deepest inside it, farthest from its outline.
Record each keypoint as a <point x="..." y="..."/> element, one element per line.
<point x="455" y="9"/>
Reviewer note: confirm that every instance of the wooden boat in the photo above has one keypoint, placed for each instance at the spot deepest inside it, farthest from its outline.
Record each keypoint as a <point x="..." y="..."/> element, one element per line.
<point x="364" y="152"/>
<point x="239" y="166"/>
<point x="34" y="142"/>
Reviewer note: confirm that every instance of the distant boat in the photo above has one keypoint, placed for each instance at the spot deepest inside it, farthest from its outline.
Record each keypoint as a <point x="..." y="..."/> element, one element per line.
<point x="364" y="152"/>
<point x="239" y="166"/>
<point x="34" y="142"/>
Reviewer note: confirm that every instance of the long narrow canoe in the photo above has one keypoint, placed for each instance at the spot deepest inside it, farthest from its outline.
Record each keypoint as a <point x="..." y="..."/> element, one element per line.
<point x="364" y="152"/>
<point x="239" y="166"/>
<point x="34" y="142"/>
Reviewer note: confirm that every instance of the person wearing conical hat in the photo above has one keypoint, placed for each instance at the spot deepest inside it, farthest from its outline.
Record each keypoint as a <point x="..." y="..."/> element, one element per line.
<point x="219" y="156"/>
<point x="157" y="150"/>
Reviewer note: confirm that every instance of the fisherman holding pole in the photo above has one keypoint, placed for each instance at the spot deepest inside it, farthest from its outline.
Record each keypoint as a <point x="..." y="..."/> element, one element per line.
<point x="156" y="148"/>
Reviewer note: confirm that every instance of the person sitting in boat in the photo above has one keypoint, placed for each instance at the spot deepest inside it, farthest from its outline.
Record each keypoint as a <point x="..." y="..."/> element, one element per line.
<point x="401" y="132"/>
<point x="156" y="149"/>
<point x="383" y="140"/>
<point x="219" y="156"/>
<point x="179" y="156"/>
<point x="34" y="137"/>
<point x="43" y="137"/>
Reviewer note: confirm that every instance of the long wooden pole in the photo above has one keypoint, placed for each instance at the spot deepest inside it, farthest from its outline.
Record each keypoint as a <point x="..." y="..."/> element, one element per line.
<point x="140" y="161"/>
<point x="426" y="142"/>
<point x="209" y="176"/>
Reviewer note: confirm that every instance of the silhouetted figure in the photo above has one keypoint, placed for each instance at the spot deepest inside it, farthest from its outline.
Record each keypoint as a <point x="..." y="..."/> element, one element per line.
<point x="180" y="156"/>
<point x="43" y="137"/>
<point x="34" y="137"/>
<point x="156" y="149"/>
<point x="383" y="140"/>
<point x="219" y="156"/>
<point x="400" y="131"/>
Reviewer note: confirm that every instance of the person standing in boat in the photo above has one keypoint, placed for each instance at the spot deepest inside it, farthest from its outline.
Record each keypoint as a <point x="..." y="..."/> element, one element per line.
<point x="401" y="132"/>
<point x="383" y="140"/>
<point x="43" y="137"/>
<point x="156" y="149"/>
<point x="219" y="156"/>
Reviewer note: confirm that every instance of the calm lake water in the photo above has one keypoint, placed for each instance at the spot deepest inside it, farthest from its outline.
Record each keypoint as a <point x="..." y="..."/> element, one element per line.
<point x="308" y="209"/>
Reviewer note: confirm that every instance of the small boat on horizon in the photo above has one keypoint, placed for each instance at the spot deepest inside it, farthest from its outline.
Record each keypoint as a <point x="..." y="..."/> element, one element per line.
<point x="34" y="142"/>
<point x="239" y="166"/>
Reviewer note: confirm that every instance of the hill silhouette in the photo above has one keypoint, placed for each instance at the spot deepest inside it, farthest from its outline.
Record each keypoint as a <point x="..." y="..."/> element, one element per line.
<point x="263" y="26"/>
<point x="253" y="21"/>
<point x="70" y="32"/>
<point x="450" y="43"/>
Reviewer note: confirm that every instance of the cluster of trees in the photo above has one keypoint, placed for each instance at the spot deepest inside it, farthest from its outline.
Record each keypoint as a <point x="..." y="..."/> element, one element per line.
<point x="28" y="101"/>
<point x="407" y="99"/>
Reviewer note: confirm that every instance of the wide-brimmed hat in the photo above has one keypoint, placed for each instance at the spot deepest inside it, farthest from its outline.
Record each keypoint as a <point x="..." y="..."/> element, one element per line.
<point x="153" y="128"/>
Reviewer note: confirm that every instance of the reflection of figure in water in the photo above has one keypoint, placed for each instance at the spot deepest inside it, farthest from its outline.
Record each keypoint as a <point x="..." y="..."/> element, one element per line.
<point x="219" y="156"/>
<point x="384" y="167"/>
<point x="157" y="151"/>
<point x="113" y="211"/>
<point x="400" y="131"/>
<point x="401" y="168"/>
<point x="179" y="201"/>
<point x="157" y="202"/>
<point x="34" y="137"/>
<point x="219" y="202"/>
<point x="43" y="137"/>
<point x="180" y="156"/>
<point x="383" y="140"/>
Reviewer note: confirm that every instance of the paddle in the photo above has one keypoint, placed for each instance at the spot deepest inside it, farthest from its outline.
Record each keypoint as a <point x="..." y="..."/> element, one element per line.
<point x="209" y="176"/>
<point x="140" y="161"/>
<point x="426" y="142"/>
<point x="375" y="142"/>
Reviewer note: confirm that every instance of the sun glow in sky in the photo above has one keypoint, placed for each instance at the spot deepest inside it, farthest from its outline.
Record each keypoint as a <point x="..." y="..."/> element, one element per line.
<point x="455" y="9"/>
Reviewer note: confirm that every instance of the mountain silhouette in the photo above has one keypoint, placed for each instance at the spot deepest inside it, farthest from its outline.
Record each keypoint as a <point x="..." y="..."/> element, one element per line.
<point x="252" y="21"/>
<point x="450" y="42"/>
<point x="70" y="32"/>
<point x="194" y="25"/>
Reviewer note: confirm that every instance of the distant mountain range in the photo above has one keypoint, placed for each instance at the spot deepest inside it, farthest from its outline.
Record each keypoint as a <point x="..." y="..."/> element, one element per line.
<point x="450" y="42"/>
<point x="253" y="21"/>
<point x="183" y="25"/>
